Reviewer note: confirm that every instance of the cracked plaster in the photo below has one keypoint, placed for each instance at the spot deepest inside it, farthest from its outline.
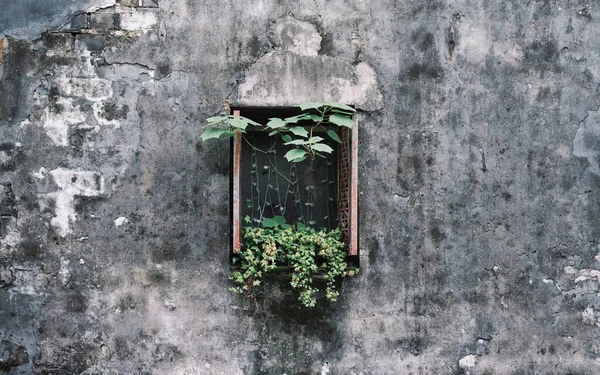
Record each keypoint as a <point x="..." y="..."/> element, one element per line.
<point x="296" y="73"/>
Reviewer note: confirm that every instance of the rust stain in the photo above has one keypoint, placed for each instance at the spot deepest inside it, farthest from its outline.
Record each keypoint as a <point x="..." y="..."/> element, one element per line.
<point x="3" y="48"/>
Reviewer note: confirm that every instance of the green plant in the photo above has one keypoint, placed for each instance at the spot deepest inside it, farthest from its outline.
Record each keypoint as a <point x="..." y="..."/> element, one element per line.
<point x="277" y="245"/>
<point x="305" y="252"/>
<point x="304" y="144"/>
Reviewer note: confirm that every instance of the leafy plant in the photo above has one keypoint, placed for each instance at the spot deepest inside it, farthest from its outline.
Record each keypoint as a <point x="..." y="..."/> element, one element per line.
<point x="303" y="144"/>
<point x="305" y="252"/>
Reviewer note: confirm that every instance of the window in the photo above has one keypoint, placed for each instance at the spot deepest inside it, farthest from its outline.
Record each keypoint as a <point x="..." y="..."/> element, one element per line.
<point x="325" y="196"/>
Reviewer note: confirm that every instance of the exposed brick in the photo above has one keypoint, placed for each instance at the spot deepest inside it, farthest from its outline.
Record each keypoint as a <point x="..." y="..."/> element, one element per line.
<point x="140" y="3"/>
<point x="140" y="19"/>
<point x="150" y="3"/>
<point x="131" y="3"/>
<point x="3" y="48"/>
<point x="101" y="20"/>
<point x="80" y="21"/>
<point x="94" y="43"/>
<point x="117" y="21"/>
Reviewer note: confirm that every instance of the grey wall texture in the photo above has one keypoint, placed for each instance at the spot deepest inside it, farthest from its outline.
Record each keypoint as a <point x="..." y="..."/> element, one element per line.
<point x="479" y="181"/>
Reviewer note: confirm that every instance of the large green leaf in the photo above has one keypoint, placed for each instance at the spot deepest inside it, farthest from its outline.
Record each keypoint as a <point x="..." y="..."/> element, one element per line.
<point x="229" y="134"/>
<point x="286" y="138"/>
<point x="295" y="154"/>
<point x="333" y="135"/>
<point x="310" y="105"/>
<point x="275" y="123"/>
<point x="275" y="221"/>
<point x="216" y="119"/>
<point x="341" y="120"/>
<point x="299" y="130"/>
<point x="315" y="139"/>
<point x="300" y="117"/>
<point x="251" y="122"/>
<point x="240" y="122"/>
<point x="269" y="223"/>
<point x="322" y="148"/>
<point x="279" y="219"/>
<point x="343" y="107"/>
<point x="212" y="133"/>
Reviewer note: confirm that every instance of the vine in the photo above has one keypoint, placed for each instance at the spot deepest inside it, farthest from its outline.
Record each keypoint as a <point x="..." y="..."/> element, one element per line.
<point x="305" y="251"/>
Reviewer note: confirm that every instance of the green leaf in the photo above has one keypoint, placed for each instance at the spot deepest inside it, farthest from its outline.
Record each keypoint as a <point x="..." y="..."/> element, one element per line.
<point x="272" y="133"/>
<point x="229" y="134"/>
<point x="275" y="123"/>
<point x="316" y="118"/>
<point x="216" y="119"/>
<point x="299" y="130"/>
<point x="293" y="155"/>
<point x="298" y="142"/>
<point x="251" y="122"/>
<point x="212" y="133"/>
<point x="279" y="219"/>
<point x="300" y="225"/>
<point x="286" y="138"/>
<point x="333" y="135"/>
<point x="268" y="223"/>
<point x="295" y="119"/>
<point x="315" y="139"/>
<point x="310" y="105"/>
<point x="240" y="122"/>
<point x="322" y="148"/>
<point x="343" y="107"/>
<point x="285" y="226"/>
<point x="341" y="120"/>
<point x="247" y="219"/>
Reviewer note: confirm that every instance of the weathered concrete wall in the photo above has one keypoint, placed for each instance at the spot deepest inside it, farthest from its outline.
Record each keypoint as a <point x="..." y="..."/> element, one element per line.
<point x="479" y="186"/>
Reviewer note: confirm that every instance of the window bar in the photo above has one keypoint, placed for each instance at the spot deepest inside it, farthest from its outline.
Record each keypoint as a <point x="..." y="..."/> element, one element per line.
<point x="237" y="164"/>
<point x="344" y="181"/>
<point x="353" y="245"/>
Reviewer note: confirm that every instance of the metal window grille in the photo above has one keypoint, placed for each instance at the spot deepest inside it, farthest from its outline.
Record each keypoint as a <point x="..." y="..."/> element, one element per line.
<point x="328" y="198"/>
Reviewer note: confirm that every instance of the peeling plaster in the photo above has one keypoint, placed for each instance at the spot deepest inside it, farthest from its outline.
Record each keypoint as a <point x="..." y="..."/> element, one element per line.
<point x="58" y="189"/>
<point x="286" y="79"/>
<point x="296" y="74"/>
<point x="27" y="19"/>
<point x="138" y="19"/>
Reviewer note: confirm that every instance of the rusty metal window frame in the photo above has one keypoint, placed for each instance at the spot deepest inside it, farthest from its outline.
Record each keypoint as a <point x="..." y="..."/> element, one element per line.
<point x="347" y="185"/>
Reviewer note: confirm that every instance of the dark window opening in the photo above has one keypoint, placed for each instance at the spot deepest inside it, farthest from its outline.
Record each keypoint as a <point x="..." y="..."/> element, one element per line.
<point x="267" y="188"/>
<point x="325" y="196"/>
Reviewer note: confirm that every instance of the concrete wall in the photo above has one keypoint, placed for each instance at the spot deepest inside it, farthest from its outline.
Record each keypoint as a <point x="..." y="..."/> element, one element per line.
<point x="479" y="185"/>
